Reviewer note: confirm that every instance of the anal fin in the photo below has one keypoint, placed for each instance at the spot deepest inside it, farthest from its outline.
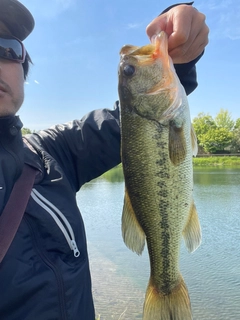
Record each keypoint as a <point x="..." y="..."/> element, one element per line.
<point x="192" y="231"/>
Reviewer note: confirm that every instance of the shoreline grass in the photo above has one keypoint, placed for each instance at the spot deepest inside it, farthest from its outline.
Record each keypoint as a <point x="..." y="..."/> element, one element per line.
<point x="116" y="174"/>
<point x="212" y="161"/>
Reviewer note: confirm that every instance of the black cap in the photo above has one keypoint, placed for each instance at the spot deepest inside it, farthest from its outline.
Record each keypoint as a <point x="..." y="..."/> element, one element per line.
<point x="17" y="18"/>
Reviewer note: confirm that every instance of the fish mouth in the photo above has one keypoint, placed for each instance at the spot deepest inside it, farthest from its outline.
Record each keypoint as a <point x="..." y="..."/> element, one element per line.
<point x="160" y="42"/>
<point x="159" y="45"/>
<point x="160" y="38"/>
<point x="158" y="49"/>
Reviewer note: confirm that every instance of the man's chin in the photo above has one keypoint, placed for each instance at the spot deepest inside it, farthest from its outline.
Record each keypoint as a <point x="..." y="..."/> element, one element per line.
<point x="8" y="106"/>
<point x="4" y="112"/>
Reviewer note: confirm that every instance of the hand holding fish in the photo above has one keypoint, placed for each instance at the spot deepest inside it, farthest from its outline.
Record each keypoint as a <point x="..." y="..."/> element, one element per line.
<point x="186" y="29"/>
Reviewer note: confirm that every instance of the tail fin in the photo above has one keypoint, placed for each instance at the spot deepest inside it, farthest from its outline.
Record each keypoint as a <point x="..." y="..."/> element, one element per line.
<point x="173" y="306"/>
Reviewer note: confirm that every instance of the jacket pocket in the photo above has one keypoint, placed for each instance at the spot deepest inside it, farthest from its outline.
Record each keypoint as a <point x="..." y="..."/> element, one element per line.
<point x="59" y="219"/>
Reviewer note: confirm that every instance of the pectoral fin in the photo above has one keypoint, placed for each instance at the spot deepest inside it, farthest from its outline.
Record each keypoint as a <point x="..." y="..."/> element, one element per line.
<point x="194" y="142"/>
<point x="132" y="232"/>
<point x="192" y="230"/>
<point x="177" y="144"/>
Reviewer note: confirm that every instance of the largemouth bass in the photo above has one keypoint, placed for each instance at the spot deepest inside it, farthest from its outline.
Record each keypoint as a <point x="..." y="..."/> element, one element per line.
<point x="157" y="146"/>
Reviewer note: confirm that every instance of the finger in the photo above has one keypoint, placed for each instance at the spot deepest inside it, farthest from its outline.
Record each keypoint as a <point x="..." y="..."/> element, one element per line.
<point x="182" y="21"/>
<point x="190" y="50"/>
<point x="176" y="23"/>
<point x="157" y="25"/>
<point x="181" y="56"/>
<point x="192" y="44"/>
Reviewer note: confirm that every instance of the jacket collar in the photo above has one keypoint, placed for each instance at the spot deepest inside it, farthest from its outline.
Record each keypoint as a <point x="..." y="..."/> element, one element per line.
<point x="10" y="126"/>
<point x="32" y="158"/>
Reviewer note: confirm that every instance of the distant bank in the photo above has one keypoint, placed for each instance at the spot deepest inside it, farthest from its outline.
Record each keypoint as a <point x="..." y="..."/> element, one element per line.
<point x="116" y="174"/>
<point x="216" y="160"/>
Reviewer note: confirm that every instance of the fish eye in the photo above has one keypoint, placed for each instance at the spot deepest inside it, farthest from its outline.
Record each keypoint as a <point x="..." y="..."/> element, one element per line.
<point x="128" y="70"/>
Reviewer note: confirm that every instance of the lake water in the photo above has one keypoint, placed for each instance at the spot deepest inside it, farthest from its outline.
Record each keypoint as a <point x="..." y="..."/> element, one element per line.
<point x="212" y="273"/>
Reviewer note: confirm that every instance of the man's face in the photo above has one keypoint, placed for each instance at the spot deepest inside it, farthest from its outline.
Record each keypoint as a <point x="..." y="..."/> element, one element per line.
<point x="11" y="83"/>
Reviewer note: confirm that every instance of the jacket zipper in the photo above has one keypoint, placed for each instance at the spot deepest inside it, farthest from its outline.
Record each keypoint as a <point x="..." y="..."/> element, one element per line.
<point x="62" y="223"/>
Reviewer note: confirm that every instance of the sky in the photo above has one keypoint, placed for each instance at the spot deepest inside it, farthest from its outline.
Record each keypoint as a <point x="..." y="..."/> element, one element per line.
<point x="75" y="51"/>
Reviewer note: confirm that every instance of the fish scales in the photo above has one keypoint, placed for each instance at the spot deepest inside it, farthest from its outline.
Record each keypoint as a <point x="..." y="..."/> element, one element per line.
<point x="155" y="174"/>
<point x="157" y="149"/>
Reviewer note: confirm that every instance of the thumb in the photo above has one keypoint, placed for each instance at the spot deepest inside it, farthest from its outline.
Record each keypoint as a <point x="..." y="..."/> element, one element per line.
<point x="160" y="23"/>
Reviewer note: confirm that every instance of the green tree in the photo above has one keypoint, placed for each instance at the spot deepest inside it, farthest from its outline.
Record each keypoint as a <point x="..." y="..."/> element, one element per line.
<point x="216" y="139"/>
<point x="217" y="134"/>
<point x="202" y="124"/>
<point x="224" y="120"/>
<point x="25" y="131"/>
<point x="237" y="124"/>
<point x="235" y="145"/>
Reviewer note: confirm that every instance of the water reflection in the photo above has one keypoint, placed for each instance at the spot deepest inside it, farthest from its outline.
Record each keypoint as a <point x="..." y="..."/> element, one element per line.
<point x="212" y="273"/>
<point x="211" y="176"/>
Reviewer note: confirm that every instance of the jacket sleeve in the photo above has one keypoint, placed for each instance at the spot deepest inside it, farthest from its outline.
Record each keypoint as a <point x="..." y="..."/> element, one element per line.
<point x="84" y="148"/>
<point x="187" y="71"/>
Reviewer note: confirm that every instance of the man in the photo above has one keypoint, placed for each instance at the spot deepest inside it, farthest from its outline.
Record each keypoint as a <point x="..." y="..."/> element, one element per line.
<point x="45" y="272"/>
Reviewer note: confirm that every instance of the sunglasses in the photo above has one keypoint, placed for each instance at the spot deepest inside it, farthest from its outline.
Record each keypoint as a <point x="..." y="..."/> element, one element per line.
<point x="12" y="49"/>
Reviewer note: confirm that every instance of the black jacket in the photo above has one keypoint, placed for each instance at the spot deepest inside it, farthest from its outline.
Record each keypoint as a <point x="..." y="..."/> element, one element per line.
<point x="45" y="273"/>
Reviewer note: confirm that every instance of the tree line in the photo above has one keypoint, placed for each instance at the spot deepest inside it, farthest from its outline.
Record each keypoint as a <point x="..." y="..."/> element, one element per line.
<point x="217" y="135"/>
<point x="26" y="131"/>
